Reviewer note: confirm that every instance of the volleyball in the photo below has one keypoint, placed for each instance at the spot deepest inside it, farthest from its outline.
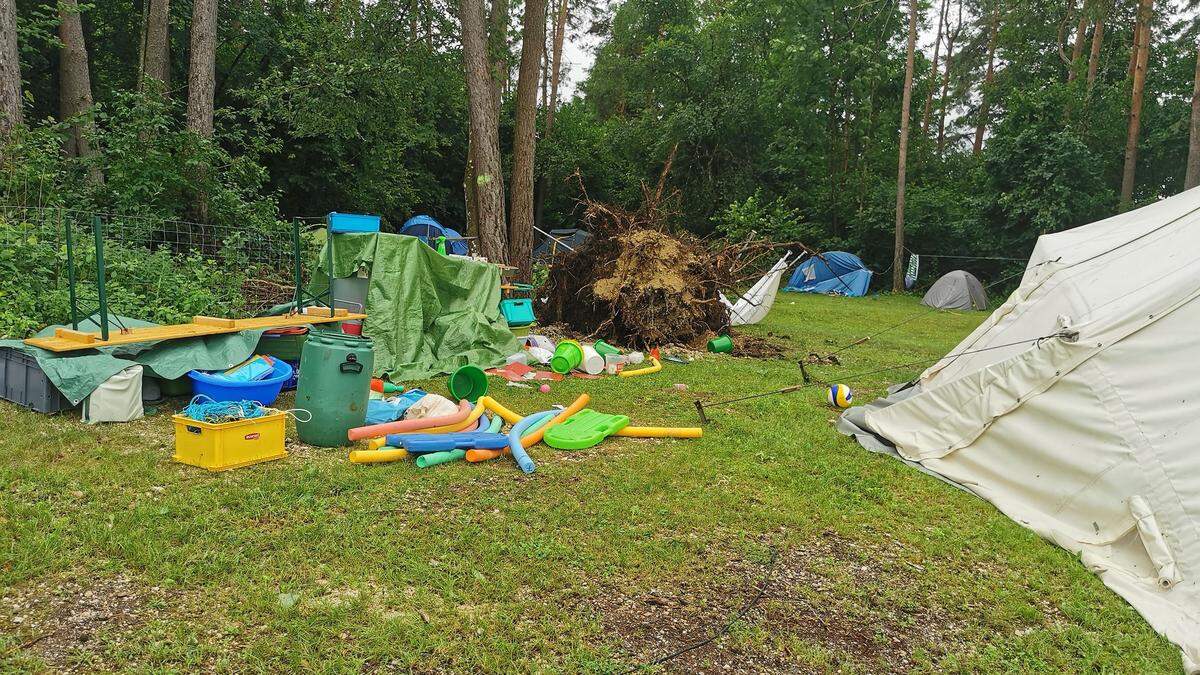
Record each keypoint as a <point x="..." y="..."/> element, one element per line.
<point x="840" y="396"/>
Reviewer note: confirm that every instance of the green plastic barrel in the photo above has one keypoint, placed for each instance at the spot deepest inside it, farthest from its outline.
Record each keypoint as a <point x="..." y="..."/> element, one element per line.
<point x="335" y="380"/>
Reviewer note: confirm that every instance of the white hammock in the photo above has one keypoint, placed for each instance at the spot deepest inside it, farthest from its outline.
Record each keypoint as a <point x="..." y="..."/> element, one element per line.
<point x="756" y="303"/>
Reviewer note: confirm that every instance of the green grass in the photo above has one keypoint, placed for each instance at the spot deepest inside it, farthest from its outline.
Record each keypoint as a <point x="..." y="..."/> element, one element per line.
<point x="602" y="559"/>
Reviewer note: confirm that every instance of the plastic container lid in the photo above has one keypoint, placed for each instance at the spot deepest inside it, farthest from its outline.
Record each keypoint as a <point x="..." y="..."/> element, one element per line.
<point x="468" y="382"/>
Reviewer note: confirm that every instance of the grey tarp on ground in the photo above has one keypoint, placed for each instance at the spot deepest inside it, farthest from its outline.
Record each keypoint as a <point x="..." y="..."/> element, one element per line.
<point x="78" y="373"/>
<point x="956" y="290"/>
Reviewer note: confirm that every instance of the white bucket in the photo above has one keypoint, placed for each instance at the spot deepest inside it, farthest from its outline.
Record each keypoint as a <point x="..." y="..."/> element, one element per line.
<point x="592" y="363"/>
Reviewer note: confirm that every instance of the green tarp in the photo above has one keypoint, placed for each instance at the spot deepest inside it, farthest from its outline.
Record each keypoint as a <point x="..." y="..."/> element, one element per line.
<point x="78" y="373"/>
<point x="427" y="313"/>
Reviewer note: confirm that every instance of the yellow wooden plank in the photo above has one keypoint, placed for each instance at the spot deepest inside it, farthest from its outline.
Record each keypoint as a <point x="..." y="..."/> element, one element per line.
<point x="213" y="321"/>
<point x="73" y="342"/>
<point x="74" y="335"/>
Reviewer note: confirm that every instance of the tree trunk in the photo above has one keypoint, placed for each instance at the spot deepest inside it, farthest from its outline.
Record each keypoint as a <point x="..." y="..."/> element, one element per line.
<point x="988" y="78"/>
<point x="1192" y="178"/>
<point x="933" y="73"/>
<point x="470" y="194"/>
<point x="941" y="139"/>
<point x="202" y="68"/>
<point x="484" y="134"/>
<point x="1137" y="40"/>
<point x="10" y="68"/>
<point x="1145" y="8"/>
<point x="75" y="84"/>
<point x="520" y="226"/>
<point x="1094" y="56"/>
<point x="157" y="50"/>
<point x="1077" y="47"/>
<point x="560" y="31"/>
<point x="498" y="48"/>
<point x="906" y="104"/>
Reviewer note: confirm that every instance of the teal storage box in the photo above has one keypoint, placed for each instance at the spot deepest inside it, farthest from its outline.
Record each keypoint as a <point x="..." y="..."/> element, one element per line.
<point x="517" y="311"/>
<point x="352" y="222"/>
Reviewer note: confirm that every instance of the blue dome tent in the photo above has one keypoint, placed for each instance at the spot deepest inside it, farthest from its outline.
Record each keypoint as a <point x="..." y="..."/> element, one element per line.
<point x="836" y="272"/>
<point x="428" y="230"/>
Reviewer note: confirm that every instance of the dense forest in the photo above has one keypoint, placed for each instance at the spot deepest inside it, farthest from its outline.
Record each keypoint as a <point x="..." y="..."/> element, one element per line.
<point x="785" y="118"/>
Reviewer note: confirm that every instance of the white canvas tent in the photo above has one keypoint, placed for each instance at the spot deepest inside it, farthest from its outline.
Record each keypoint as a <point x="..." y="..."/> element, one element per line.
<point x="1091" y="437"/>
<point x="756" y="303"/>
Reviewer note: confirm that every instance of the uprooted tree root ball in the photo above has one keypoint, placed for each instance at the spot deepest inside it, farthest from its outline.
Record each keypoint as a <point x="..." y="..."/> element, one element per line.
<point x="635" y="284"/>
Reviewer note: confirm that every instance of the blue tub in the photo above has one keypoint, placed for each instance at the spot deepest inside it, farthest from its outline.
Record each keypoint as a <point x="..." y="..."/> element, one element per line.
<point x="264" y="391"/>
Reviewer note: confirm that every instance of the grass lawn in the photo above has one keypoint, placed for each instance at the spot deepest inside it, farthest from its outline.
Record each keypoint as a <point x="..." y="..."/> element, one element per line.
<point x="115" y="558"/>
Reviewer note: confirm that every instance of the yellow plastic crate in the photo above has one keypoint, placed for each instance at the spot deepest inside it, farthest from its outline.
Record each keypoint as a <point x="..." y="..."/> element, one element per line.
<point x="229" y="445"/>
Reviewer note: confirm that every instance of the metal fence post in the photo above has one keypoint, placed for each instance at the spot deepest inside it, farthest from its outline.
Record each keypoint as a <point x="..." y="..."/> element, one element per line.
<point x="70" y="270"/>
<point x="299" y="270"/>
<point x="98" y="231"/>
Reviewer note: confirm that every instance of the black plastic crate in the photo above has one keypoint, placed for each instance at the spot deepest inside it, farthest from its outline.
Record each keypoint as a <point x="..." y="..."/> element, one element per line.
<point x="23" y="382"/>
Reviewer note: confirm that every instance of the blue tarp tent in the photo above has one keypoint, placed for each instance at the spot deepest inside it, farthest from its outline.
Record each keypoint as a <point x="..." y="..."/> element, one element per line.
<point x="427" y="230"/>
<point x="835" y="272"/>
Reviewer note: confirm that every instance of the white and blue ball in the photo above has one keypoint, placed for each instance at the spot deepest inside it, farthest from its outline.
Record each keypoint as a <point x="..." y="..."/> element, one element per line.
<point x="840" y="396"/>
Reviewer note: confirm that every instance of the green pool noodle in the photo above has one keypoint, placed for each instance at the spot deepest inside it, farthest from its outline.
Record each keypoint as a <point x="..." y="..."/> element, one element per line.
<point x="497" y="422"/>
<point x="435" y="458"/>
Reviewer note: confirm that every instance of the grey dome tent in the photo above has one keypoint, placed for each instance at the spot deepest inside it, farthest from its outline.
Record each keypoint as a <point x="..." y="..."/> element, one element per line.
<point x="956" y="290"/>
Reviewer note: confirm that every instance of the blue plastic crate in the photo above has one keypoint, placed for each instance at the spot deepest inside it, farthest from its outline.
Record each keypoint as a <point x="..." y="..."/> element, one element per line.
<point x="340" y="223"/>
<point x="517" y="311"/>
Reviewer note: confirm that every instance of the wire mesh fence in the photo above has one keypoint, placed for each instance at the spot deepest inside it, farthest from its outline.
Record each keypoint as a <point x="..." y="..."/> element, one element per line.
<point x="64" y="265"/>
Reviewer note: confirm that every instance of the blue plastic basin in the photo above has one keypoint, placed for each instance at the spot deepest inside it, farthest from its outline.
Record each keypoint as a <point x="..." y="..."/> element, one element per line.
<point x="265" y="391"/>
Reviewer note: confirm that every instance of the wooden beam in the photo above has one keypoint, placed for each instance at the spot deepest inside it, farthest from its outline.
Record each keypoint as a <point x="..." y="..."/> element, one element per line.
<point x="213" y="321"/>
<point x="66" y="340"/>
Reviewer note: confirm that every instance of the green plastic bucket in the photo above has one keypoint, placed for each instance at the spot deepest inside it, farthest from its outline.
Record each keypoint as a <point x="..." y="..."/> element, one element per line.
<point x="468" y="382"/>
<point x="720" y="344"/>
<point x="605" y="349"/>
<point x="567" y="357"/>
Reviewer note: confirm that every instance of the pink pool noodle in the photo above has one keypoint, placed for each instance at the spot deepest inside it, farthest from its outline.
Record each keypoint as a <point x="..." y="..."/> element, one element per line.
<point x="404" y="426"/>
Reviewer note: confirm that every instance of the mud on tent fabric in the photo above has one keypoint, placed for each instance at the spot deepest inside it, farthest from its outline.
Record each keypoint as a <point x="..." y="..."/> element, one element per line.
<point x="1090" y="438"/>
<point x="427" y="314"/>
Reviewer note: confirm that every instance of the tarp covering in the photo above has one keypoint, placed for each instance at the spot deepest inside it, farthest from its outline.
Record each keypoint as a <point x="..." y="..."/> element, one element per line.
<point x="1075" y="408"/>
<point x="78" y="373"/>
<point x="956" y="290"/>
<point x="836" y="272"/>
<point x="427" y="313"/>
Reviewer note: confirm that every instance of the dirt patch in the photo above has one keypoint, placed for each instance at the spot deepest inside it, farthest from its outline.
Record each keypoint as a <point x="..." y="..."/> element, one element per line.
<point x="769" y="346"/>
<point x="63" y="622"/>
<point x="805" y="617"/>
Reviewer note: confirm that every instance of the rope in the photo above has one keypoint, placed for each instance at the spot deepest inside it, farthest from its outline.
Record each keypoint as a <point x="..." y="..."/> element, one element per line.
<point x="921" y="315"/>
<point x="218" y="412"/>
<point x="965" y="257"/>
<point x="926" y="363"/>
